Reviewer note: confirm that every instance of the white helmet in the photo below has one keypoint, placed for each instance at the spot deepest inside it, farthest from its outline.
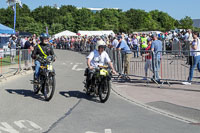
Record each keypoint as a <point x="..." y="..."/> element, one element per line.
<point x="100" y="43"/>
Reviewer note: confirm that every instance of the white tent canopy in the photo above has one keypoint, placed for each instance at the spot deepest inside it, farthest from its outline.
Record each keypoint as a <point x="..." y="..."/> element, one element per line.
<point x="96" y="33"/>
<point x="64" y="33"/>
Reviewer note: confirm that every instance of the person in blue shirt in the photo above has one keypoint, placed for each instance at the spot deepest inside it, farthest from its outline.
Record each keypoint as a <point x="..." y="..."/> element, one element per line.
<point x="156" y="48"/>
<point x="123" y="46"/>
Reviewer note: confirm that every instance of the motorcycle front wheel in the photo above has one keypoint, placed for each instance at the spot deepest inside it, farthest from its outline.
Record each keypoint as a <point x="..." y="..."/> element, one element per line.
<point x="104" y="90"/>
<point x="36" y="88"/>
<point x="49" y="88"/>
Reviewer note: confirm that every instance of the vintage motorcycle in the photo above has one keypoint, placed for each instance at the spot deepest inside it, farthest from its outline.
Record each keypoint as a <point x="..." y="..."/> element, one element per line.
<point x="46" y="81"/>
<point x="100" y="83"/>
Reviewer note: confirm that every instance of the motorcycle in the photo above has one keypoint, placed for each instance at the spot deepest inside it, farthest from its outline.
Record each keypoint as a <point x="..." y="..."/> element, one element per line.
<point x="46" y="81"/>
<point x="100" y="83"/>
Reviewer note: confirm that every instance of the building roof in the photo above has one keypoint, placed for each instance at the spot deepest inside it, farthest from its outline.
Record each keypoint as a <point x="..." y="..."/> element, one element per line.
<point x="98" y="9"/>
<point x="196" y="23"/>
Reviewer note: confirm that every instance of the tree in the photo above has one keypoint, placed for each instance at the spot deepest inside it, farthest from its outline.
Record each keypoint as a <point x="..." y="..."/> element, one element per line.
<point x="84" y="19"/>
<point x="68" y="17"/>
<point x="186" y="23"/>
<point x="163" y="20"/>
<point x="123" y="23"/>
<point x="56" y="28"/>
<point x="139" y="20"/>
<point x="110" y="19"/>
<point x="34" y="28"/>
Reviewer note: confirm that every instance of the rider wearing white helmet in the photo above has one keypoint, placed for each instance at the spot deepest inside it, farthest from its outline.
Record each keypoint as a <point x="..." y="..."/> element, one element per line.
<point x="99" y="57"/>
<point x="96" y="58"/>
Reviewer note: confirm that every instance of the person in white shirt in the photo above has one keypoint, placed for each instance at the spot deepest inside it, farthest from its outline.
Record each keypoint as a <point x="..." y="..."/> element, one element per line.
<point x="195" y="54"/>
<point x="97" y="57"/>
<point x="115" y="42"/>
<point x="23" y="41"/>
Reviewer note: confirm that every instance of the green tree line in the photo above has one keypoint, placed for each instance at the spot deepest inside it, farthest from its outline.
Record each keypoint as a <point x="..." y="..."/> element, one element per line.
<point x="70" y="18"/>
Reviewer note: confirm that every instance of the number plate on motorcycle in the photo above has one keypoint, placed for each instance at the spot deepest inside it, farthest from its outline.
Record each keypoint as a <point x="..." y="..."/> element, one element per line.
<point x="103" y="73"/>
<point x="50" y="67"/>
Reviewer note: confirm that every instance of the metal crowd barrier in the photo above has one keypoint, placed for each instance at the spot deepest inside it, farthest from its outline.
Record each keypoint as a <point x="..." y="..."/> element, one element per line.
<point x="173" y="65"/>
<point x="13" y="61"/>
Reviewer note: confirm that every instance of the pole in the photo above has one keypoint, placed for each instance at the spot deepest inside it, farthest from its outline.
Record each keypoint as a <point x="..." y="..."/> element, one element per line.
<point x="14" y="16"/>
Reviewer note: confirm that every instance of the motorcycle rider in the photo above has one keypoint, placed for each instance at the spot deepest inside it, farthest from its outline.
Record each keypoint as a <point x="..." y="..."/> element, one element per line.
<point x="42" y="50"/>
<point x="97" y="57"/>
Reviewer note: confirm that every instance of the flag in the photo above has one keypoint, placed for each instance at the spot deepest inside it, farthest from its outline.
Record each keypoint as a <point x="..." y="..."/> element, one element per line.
<point x="10" y="2"/>
<point x="13" y="2"/>
<point x="20" y="3"/>
<point x="47" y="30"/>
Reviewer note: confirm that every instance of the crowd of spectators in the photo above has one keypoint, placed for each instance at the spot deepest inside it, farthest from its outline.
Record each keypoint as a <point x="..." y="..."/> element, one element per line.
<point x="136" y="45"/>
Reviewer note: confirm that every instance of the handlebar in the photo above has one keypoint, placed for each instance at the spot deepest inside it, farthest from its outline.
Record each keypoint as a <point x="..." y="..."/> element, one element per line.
<point x="48" y="59"/>
<point x="105" y="67"/>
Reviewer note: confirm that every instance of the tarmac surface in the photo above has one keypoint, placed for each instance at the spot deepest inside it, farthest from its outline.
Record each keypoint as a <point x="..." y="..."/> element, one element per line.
<point x="131" y="108"/>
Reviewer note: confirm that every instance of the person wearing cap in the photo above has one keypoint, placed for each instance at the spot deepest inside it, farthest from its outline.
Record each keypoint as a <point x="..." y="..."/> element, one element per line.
<point x="98" y="57"/>
<point x="156" y="48"/>
<point x="12" y="45"/>
<point x="123" y="46"/>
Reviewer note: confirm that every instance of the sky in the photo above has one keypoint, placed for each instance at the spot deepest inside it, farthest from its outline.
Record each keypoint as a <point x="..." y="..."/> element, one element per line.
<point x="178" y="9"/>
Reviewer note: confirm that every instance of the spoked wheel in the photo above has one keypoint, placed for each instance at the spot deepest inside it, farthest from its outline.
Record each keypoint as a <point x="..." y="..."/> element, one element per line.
<point x="104" y="91"/>
<point x="36" y="88"/>
<point x="49" y="88"/>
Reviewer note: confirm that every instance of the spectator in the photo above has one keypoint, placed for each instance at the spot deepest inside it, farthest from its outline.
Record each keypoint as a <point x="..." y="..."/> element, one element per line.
<point x="34" y="39"/>
<point x="115" y="42"/>
<point x="156" y="48"/>
<point x="28" y="48"/>
<point x="23" y="41"/>
<point x="127" y="52"/>
<point x="148" y="59"/>
<point x="195" y="57"/>
<point x="12" y="45"/>
<point x="135" y="45"/>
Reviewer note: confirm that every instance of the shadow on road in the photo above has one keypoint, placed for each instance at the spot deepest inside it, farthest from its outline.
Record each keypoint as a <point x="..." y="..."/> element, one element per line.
<point x="79" y="95"/>
<point x="25" y="93"/>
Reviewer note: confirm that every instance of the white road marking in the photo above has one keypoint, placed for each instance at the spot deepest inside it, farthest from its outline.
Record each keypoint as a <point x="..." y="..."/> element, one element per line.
<point x="108" y="131"/>
<point x="7" y="128"/>
<point x="74" y="68"/>
<point x="21" y="125"/>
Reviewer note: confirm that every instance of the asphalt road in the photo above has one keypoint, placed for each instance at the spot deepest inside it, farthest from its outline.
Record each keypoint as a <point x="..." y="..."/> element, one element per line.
<point x="72" y="111"/>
